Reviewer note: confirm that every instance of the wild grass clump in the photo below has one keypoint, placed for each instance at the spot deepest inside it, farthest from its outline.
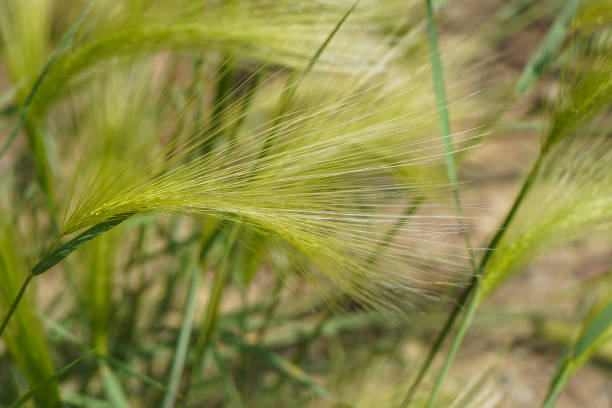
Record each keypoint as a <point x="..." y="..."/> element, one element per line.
<point x="271" y="203"/>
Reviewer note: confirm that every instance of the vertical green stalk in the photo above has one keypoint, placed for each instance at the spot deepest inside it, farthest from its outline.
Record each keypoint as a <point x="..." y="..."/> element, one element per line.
<point x="444" y="122"/>
<point x="557" y="385"/>
<point x="478" y="271"/>
<point x="183" y="341"/>
<point x="477" y="297"/>
<point x="97" y="288"/>
<point x="209" y="324"/>
<point x="445" y="133"/>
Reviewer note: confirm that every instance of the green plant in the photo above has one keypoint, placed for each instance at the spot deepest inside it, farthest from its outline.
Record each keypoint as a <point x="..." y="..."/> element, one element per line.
<point x="269" y="202"/>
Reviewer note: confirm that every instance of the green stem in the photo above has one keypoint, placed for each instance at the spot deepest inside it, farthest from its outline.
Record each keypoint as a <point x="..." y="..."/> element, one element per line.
<point x="444" y="122"/>
<point x="210" y="319"/>
<point x="467" y="319"/>
<point x="15" y="303"/>
<point x="474" y="284"/>
<point x="183" y="341"/>
<point x="55" y="256"/>
<point x="557" y="385"/>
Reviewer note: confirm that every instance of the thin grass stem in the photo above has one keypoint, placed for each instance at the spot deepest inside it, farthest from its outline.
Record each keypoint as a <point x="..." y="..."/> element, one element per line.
<point x="209" y="323"/>
<point x="183" y="341"/>
<point x="15" y="303"/>
<point x="475" y="300"/>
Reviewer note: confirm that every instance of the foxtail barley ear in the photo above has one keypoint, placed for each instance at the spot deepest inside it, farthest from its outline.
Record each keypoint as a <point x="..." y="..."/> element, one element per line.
<point x="572" y="189"/>
<point x="586" y="88"/>
<point x="593" y="15"/>
<point x="270" y="32"/>
<point x="23" y="336"/>
<point x="571" y="197"/>
<point x="337" y="179"/>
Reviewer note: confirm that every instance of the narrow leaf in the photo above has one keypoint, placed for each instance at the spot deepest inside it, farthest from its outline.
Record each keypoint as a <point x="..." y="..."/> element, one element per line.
<point x="183" y="341"/>
<point x="56" y="255"/>
<point x="113" y="390"/>
<point x="283" y="366"/>
<point x="548" y="48"/>
<point x="32" y="393"/>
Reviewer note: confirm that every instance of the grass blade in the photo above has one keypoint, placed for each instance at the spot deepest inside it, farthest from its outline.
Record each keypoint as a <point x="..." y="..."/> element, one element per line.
<point x="283" y="366"/>
<point x="56" y="255"/>
<point x="547" y="49"/>
<point x="228" y="383"/>
<point x="119" y="365"/>
<point x="594" y="332"/>
<point x="290" y="90"/>
<point x="33" y="392"/>
<point x="209" y="324"/>
<point x="444" y="121"/>
<point x="113" y="390"/>
<point x="15" y="303"/>
<point x="445" y="132"/>
<point x="183" y="340"/>
<point x="24" y="337"/>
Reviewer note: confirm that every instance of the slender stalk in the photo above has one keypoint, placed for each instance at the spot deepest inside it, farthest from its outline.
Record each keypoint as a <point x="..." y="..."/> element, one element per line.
<point x="55" y="256"/>
<point x="445" y="131"/>
<point x="557" y="385"/>
<point x="210" y="319"/>
<point x="15" y="303"/>
<point x="444" y="122"/>
<point x="467" y="319"/>
<point x="183" y="341"/>
<point x="475" y="278"/>
<point x="474" y="285"/>
<point x="228" y="383"/>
